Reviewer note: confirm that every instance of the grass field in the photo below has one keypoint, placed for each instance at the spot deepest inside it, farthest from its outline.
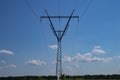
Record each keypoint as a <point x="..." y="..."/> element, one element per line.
<point x="64" y="77"/>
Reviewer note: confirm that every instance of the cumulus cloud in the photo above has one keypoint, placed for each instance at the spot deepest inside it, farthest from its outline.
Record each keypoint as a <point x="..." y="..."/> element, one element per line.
<point x="92" y="58"/>
<point x="87" y="57"/>
<point x="36" y="62"/>
<point x="67" y="59"/>
<point x="97" y="47"/>
<point x="83" y="58"/>
<point x="6" y="52"/>
<point x="3" y="61"/>
<point x="107" y="59"/>
<point x="117" y="57"/>
<point x="98" y="50"/>
<point x="53" y="46"/>
<point x="12" y="66"/>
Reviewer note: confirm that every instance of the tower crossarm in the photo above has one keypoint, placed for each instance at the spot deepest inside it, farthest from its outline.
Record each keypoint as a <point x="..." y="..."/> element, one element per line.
<point x="67" y="24"/>
<point x="59" y="17"/>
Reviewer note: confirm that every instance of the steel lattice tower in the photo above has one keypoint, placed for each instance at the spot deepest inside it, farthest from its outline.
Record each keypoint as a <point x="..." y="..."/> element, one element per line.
<point x="59" y="35"/>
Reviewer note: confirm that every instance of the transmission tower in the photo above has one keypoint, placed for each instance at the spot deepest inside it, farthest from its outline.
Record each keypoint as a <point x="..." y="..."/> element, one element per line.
<point x="59" y="35"/>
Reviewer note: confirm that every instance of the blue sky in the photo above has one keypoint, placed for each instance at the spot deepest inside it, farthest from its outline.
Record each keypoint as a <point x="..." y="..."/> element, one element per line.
<point x="28" y="46"/>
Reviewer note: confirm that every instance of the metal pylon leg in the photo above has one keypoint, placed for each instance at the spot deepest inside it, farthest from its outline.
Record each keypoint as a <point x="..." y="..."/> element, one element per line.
<point x="59" y="61"/>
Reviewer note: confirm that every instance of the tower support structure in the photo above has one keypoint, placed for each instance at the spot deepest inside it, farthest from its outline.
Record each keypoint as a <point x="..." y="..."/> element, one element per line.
<point x="59" y="57"/>
<point x="59" y="35"/>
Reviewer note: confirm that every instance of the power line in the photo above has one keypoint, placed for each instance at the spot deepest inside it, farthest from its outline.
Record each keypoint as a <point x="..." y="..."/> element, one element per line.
<point x="33" y="11"/>
<point x="86" y="9"/>
<point x="41" y="24"/>
<point x="59" y="10"/>
<point x="76" y="32"/>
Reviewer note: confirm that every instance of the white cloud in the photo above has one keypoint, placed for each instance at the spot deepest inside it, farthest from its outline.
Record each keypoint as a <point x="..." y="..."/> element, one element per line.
<point x="6" y="52"/>
<point x="2" y="61"/>
<point x="98" y="51"/>
<point x="82" y="58"/>
<point x="12" y="66"/>
<point x="117" y="57"/>
<point x="97" y="47"/>
<point x="36" y="62"/>
<point x="67" y="59"/>
<point x="87" y="57"/>
<point x="53" y="46"/>
<point x="107" y="60"/>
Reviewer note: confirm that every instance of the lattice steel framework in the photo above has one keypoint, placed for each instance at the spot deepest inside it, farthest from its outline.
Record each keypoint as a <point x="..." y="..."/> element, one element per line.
<point x="59" y="35"/>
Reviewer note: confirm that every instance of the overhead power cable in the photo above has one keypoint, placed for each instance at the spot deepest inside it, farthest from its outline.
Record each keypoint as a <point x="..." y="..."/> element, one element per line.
<point x="86" y="9"/>
<point x="59" y="10"/>
<point x="33" y="11"/>
<point x="41" y="24"/>
<point x="76" y="32"/>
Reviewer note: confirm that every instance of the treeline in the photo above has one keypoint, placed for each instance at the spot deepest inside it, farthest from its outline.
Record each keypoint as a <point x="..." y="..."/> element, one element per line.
<point x="64" y="77"/>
